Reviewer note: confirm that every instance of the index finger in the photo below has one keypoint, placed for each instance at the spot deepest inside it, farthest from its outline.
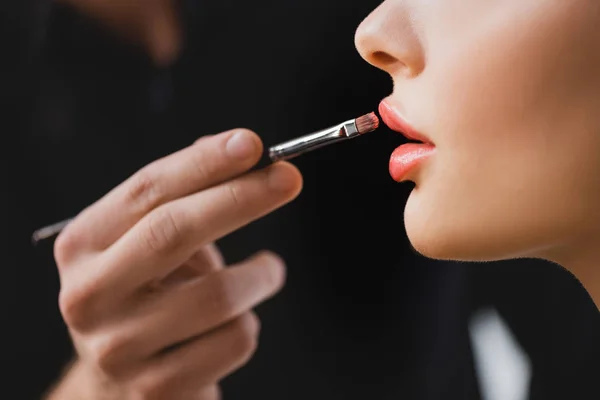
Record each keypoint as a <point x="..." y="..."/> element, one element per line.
<point x="206" y="163"/>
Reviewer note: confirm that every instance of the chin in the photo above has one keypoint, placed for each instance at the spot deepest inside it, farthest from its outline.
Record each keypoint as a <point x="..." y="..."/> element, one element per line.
<point x="448" y="248"/>
<point x="429" y="241"/>
<point x="451" y="235"/>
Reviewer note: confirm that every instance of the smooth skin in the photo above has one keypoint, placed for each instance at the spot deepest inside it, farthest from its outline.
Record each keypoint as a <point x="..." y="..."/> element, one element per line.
<point x="509" y="92"/>
<point x="151" y="308"/>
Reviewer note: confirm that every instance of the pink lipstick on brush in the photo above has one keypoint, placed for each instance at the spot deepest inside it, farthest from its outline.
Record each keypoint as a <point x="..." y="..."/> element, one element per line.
<point x="346" y="130"/>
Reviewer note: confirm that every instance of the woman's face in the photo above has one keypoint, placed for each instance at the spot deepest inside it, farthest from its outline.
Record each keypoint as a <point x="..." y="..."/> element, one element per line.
<point x="508" y="92"/>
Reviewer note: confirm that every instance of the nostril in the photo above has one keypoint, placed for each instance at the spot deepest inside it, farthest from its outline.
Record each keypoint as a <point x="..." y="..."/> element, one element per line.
<point x="382" y="58"/>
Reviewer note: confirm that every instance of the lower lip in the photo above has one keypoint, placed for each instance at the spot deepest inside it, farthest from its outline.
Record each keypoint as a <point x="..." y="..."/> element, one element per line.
<point x="407" y="157"/>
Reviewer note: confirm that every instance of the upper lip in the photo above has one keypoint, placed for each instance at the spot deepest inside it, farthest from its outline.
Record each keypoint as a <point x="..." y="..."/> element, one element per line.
<point x="396" y="122"/>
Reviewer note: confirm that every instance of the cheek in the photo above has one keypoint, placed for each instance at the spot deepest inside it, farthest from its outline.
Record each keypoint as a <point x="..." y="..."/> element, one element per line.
<point x="513" y="74"/>
<point x="517" y="166"/>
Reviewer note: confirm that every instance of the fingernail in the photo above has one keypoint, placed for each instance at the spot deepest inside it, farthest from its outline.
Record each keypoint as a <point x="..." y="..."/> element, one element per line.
<point x="241" y="145"/>
<point x="281" y="178"/>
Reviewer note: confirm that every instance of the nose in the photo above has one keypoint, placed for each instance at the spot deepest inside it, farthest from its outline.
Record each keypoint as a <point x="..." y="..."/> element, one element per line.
<point x="387" y="39"/>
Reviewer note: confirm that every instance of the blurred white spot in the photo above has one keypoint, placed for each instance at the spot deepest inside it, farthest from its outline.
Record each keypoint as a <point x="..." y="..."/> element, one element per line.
<point x="502" y="367"/>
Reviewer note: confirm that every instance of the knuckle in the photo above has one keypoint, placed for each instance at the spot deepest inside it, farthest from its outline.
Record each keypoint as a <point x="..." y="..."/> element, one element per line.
<point x="143" y="190"/>
<point x="76" y="306"/>
<point x="163" y="233"/>
<point x="106" y="351"/>
<point x="233" y="194"/>
<point x="70" y="309"/>
<point x="65" y="247"/>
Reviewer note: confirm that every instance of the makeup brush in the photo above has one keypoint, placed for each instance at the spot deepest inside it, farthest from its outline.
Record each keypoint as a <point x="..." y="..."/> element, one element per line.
<point x="346" y="130"/>
<point x="284" y="151"/>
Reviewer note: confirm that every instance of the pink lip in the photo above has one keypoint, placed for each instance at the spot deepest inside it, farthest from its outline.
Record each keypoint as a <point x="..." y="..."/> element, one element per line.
<point x="396" y="122"/>
<point x="408" y="156"/>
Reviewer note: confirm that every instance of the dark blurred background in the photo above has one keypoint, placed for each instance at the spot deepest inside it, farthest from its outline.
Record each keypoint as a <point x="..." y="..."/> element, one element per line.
<point x="362" y="316"/>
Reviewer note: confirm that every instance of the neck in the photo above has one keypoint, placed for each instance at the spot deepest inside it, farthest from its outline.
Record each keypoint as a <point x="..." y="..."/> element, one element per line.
<point x="583" y="261"/>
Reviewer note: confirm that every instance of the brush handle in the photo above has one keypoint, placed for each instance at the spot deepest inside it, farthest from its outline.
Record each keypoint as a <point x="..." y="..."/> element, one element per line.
<point x="283" y="151"/>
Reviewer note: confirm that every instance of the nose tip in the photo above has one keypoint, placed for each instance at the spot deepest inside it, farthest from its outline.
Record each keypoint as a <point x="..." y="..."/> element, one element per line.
<point x="386" y="39"/>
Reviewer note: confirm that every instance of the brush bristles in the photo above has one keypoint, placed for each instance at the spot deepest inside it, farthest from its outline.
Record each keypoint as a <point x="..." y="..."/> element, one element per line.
<point x="367" y="123"/>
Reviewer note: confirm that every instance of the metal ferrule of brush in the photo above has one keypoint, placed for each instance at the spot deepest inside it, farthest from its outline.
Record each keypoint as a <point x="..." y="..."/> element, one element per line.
<point x="303" y="144"/>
